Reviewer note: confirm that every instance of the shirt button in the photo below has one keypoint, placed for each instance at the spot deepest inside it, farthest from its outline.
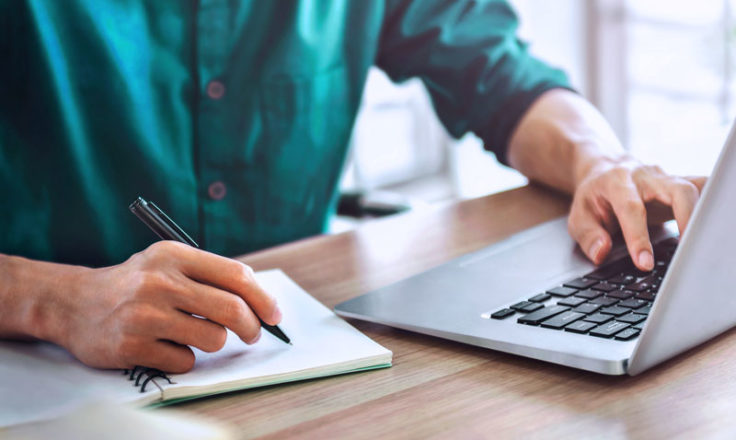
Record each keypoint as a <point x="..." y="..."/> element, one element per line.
<point x="217" y="190"/>
<point x="215" y="89"/>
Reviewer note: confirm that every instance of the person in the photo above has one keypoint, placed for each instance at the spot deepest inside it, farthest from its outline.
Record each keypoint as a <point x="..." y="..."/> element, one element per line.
<point x="235" y="117"/>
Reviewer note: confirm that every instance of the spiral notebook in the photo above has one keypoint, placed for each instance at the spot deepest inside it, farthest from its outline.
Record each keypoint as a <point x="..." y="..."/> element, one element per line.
<point x="40" y="380"/>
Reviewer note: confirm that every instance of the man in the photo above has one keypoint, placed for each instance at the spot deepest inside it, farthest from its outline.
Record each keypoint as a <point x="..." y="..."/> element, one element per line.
<point x="235" y="117"/>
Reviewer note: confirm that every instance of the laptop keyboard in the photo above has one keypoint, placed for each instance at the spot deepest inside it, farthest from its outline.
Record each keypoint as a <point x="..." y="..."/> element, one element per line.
<point x="613" y="301"/>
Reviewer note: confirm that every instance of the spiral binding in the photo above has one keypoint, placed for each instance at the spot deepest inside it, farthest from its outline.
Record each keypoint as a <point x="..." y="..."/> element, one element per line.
<point x="137" y="373"/>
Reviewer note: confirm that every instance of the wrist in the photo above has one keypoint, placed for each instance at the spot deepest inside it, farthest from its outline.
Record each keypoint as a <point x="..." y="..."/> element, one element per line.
<point x="39" y="297"/>
<point x="591" y="160"/>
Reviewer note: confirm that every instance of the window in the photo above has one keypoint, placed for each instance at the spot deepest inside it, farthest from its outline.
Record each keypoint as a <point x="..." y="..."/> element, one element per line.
<point x="674" y="101"/>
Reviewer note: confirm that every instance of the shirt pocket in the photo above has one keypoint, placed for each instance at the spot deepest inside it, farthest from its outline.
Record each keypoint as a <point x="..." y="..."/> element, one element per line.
<point x="305" y="110"/>
<point x="307" y="119"/>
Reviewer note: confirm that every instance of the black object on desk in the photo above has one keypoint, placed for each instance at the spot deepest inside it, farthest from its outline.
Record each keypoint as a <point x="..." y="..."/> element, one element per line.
<point x="166" y="229"/>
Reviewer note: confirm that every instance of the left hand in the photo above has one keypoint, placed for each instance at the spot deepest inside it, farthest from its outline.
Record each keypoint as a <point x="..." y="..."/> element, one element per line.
<point x="623" y="193"/>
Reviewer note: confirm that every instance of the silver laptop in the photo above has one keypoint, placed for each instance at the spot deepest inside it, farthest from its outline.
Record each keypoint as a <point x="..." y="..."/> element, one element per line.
<point x="536" y="295"/>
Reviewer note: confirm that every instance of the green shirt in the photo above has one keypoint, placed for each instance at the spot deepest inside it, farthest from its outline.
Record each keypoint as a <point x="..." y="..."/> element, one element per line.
<point x="233" y="116"/>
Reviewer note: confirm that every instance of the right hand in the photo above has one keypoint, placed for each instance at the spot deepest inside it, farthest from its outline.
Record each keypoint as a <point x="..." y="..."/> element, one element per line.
<point x="141" y="312"/>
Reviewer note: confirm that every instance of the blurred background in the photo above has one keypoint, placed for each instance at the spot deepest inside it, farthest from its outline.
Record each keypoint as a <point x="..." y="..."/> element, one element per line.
<point x="661" y="71"/>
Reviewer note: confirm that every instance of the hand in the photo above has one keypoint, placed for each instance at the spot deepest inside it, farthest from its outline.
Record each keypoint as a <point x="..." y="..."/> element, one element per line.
<point x="623" y="193"/>
<point x="141" y="311"/>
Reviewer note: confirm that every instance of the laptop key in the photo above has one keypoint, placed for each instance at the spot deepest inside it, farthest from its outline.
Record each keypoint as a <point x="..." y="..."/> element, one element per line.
<point x="666" y="245"/>
<point x="520" y="305"/>
<point x="562" y="291"/>
<point x="598" y="318"/>
<point x="502" y="314"/>
<point x="633" y="303"/>
<point x="620" y="294"/>
<point x="587" y="308"/>
<point x="631" y="318"/>
<point x="561" y="320"/>
<point x="531" y="307"/>
<point x="542" y="297"/>
<point x="608" y="329"/>
<point x="645" y="284"/>
<point x="625" y="335"/>
<point x="604" y="301"/>
<point x="640" y="286"/>
<point x="609" y="270"/>
<point x="589" y="294"/>
<point x="605" y="287"/>
<point x="580" y="327"/>
<point x="622" y="279"/>
<point x="640" y="325"/>
<point x="644" y="310"/>
<point x="646" y="296"/>
<point x="615" y="310"/>
<point x="580" y="283"/>
<point x="572" y="301"/>
<point x="535" y="318"/>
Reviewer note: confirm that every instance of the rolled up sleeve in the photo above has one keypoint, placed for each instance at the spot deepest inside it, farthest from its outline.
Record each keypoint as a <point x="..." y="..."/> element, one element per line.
<point x="480" y="76"/>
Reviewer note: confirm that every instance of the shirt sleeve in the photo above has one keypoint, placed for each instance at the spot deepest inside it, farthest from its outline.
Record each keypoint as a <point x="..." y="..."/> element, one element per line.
<point x="480" y="76"/>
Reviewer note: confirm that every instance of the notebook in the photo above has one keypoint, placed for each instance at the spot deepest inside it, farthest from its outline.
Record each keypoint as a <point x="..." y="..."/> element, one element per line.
<point x="41" y="380"/>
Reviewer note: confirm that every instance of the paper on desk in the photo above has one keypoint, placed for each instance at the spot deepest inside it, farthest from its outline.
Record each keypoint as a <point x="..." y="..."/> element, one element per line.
<point x="110" y="421"/>
<point x="323" y="344"/>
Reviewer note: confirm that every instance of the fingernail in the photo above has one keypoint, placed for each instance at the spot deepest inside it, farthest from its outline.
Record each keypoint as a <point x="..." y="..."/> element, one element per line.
<point x="646" y="260"/>
<point x="596" y="248"/>
<point x="276" y="317"/>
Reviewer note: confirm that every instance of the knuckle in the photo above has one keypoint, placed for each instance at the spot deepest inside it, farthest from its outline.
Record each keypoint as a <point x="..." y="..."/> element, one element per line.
<point x="153" y="281"/>
<point x="128" y="350"/>
<point x="634" y="206"/>
<point x="656" y="169"/>
<point x="249" y="273"/>
<point x="620" y="172"/>
<point x="234" y="309"/>
<point x="216" y="340"/>
<point x="163" y="249"/>
<point x="241" y="271"/>
<point x="688" y="189"/>
<point x="136" y="318"/>
<point x="184" y="361"/>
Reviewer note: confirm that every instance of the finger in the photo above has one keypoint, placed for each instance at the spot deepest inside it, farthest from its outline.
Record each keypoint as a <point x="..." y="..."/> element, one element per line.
<point x="684" y="196"/>
<point x="219" y="306"/>
<point x="632" y="217"/>
<point x="185" y="329"/>
<point x="592" y="237"/>
<point x="163" y="355"/>
<point x="230" y="275"/>
<point x="678" y="193"/>
<point x="698" y="181"/>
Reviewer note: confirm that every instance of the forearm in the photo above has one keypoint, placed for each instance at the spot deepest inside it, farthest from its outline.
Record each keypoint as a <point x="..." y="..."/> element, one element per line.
<point x="560" y="139"/>
<point x="33" y="297"/>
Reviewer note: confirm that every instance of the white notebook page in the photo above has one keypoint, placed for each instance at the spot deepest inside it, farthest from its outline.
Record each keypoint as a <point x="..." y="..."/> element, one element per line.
<point x="322" y="344"/>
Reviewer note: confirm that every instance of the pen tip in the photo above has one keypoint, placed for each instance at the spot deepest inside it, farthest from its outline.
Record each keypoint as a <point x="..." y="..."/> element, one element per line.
<point x="290" y="343"/>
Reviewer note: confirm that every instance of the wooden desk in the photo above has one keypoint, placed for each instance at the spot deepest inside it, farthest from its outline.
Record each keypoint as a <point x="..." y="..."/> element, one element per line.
<point x="444" y="389"/>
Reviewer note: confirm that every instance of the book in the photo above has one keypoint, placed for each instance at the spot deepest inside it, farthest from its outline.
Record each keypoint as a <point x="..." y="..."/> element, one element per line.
<point x="41" y="380"/>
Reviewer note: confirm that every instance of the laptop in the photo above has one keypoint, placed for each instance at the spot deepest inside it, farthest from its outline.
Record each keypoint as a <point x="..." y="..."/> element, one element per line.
<point x="536" y="295"/>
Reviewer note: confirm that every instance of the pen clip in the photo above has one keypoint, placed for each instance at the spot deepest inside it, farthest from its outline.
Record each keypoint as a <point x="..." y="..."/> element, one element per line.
<point x="159" y="222"/>
<point x="166" y="219"/>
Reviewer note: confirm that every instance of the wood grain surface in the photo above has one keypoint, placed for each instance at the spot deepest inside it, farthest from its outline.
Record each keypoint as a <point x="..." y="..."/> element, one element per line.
<point x="443" y="389"/>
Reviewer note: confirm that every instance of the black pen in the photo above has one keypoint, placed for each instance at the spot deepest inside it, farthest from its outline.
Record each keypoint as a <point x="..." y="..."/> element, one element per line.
<point x="166" y="229"/>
